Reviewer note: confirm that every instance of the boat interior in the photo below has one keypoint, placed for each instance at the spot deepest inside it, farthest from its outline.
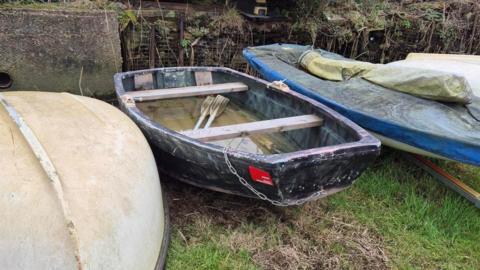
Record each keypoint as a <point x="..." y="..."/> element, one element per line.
<point x="238" y="111"/>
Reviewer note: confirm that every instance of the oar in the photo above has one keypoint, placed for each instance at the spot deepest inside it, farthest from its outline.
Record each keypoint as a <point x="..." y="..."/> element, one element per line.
<point x="217" y="108"/>
<point x="204" y="111"/>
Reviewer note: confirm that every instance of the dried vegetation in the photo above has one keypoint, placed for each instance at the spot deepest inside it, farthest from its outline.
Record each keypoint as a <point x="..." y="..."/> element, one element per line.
<point x="383" y="31"/>
<point x="395" y="216"/>
<point x="305" y="237"/>
<point x="371" y="30"/>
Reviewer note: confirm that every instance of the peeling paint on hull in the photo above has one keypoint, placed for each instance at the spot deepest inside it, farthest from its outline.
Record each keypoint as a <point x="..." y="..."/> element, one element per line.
<point x="331" y="159"/>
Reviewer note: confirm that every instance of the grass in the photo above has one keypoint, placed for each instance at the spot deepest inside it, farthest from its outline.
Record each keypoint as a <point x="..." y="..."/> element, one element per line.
<point x="395" y="216"/>
<point x="206" y="255"/>
<point x="425" y="225"/>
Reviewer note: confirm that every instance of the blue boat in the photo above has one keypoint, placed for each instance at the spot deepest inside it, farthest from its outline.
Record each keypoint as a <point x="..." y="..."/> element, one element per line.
<point x="399" y="120"/>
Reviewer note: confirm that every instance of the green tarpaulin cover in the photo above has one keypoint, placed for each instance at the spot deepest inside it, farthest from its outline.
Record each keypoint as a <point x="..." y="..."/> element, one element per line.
<point x="422" y="82"/>
<point x="333" y="69"/>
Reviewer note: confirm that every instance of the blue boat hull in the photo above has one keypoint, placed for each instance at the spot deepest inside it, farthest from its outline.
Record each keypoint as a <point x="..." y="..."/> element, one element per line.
<point x="446" y="131"/>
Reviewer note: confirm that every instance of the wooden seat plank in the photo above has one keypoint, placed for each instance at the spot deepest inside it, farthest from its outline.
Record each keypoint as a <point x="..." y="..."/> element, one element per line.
<point x="143" y="81"/>
<point x="203" y="78"/>
<point x="259" y="127"/>
<point x="189" y="91"/>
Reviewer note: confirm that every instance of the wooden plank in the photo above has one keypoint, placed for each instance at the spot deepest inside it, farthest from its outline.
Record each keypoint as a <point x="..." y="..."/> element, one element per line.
<point x="203" y="78"/>
<point x="246" y="129"/>
<point x="447" y="179"/>
<point x="143" y="81"/>
<point x="190" y="91"/>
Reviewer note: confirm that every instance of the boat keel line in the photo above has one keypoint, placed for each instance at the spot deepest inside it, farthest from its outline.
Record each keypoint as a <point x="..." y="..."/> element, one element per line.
<point x="50" y="171"/>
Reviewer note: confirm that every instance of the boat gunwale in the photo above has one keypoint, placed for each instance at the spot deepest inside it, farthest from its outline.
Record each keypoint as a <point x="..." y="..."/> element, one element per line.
<point x="380" y="125"/>
<point x="365" y="143"/>
<point x="81" y="101"/>
<point x="167" y="228"/>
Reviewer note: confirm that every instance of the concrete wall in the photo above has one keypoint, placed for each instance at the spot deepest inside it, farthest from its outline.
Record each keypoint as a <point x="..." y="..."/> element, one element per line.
<point x="46" y="50"/>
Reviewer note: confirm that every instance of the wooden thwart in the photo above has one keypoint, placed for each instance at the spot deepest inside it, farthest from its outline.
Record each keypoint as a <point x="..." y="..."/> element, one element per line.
<point x="143" y="81"/>
<point x="203" y="78"/>
<point x="191" y="91"/>
<point x="245" y="129"/>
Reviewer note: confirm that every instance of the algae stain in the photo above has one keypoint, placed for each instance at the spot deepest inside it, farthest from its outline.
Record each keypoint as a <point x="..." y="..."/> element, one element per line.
<point x="182" y="114"/>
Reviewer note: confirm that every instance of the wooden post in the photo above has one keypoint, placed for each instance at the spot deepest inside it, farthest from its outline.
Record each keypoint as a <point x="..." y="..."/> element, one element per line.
<point x="152" y="48"/>
<point x="181" y="37"/>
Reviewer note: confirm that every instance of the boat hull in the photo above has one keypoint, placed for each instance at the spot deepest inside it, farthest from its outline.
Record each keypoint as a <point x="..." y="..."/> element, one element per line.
<point x="108" y="212"/>
<point x="295" y="176"/>
<point x="405" y="147"/>
<point x="405" y="122"/>
<point x="293" y="180"/>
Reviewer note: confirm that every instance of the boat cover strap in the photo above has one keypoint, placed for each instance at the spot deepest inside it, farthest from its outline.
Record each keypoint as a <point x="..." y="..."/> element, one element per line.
<point x="474" y="108"/>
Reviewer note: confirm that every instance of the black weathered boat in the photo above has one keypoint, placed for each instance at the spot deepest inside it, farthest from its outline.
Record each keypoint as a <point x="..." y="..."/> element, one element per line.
<point x="263" y="11"/>
<point x="270" y="142"/>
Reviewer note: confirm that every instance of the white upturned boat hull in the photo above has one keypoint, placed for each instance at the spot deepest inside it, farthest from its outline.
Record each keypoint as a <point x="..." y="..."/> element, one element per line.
<point x="404" y="147"/>
<point x="108" y="179"/>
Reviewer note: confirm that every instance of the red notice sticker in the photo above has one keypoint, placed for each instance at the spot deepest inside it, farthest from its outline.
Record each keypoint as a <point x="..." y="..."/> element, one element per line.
<point x="260" y="176"/>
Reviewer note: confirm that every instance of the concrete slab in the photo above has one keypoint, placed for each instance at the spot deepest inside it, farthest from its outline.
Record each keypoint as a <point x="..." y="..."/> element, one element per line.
<point x="51" y="50"/>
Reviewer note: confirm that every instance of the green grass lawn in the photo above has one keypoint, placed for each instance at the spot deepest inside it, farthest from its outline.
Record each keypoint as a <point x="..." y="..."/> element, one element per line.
<point x="395" y="216"/>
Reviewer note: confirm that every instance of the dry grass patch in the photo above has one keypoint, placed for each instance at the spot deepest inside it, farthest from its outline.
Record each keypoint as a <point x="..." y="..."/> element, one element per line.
<point x="394" y="216"/>
<point x="304" y="237"/>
